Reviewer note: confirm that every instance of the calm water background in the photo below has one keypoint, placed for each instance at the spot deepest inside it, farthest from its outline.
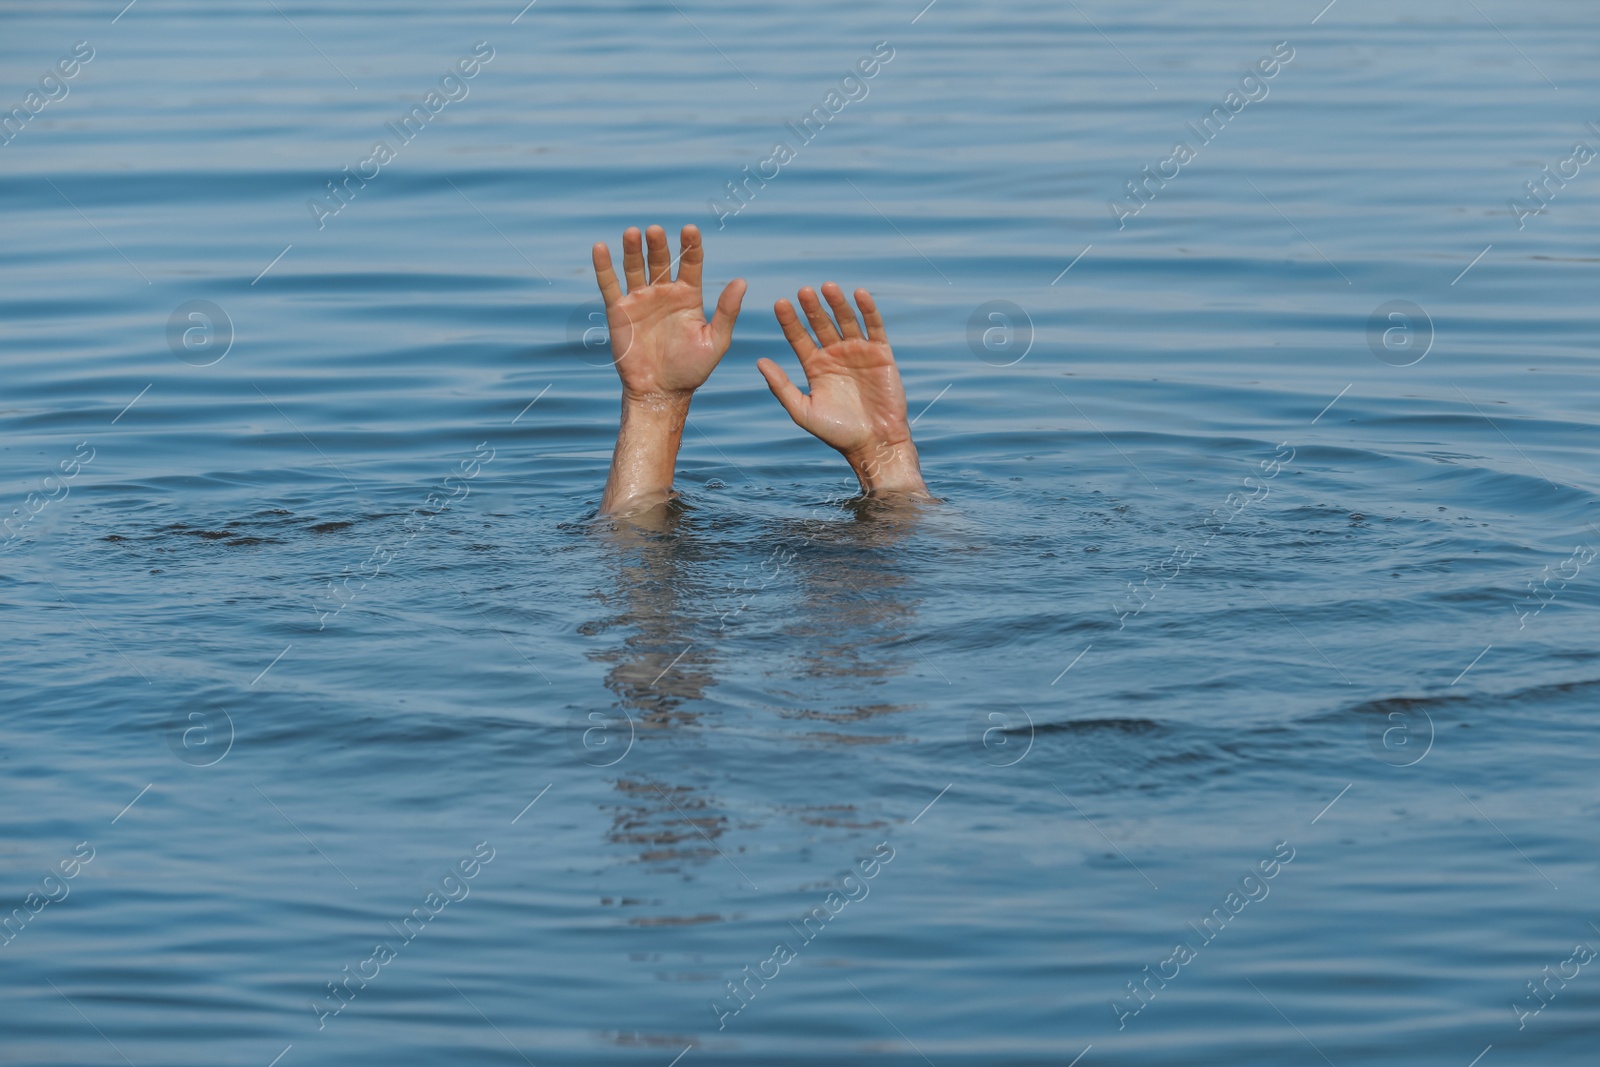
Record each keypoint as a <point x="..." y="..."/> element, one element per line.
<point x="779" y="682"/>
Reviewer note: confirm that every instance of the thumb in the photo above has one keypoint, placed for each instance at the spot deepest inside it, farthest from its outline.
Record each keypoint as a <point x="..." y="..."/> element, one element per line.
<point x="727" y="312"/>
<point x="788" y="394"/>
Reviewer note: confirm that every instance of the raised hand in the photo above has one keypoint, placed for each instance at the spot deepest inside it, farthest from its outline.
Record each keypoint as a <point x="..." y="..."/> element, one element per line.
<point x="663" y="349"/>
<point x="856" y="404"/>
<point x="661" y="343"/>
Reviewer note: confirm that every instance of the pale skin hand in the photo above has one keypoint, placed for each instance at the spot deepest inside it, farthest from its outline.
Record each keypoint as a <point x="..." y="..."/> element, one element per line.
<point x="663" y="349"/>
<point x="856" y="404"/>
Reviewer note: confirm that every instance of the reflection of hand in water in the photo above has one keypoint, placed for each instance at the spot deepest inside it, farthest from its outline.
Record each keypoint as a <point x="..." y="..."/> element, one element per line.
<point x="856" y="404"/>
<point x="804" y="619"/>
<point x="848" y="629"/>
<point x="660" y="675"/>
<point x="665" y="660"/>
<point x="811" y="598"/>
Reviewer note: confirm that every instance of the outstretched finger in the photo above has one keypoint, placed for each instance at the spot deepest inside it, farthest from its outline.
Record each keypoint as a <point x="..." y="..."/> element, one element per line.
<point x="869" y="314"/>
<point x="606" y="275"/>
<point x="826" y="332"/>
<point x="692" y="255"/>
<point x="660" y="255"/>
<point x="794" y="331"/>
<point x="848" y="326"/>
<point x="788" y="394"/>
<point x="727" y="313"/>
<point x="633" y="258"/>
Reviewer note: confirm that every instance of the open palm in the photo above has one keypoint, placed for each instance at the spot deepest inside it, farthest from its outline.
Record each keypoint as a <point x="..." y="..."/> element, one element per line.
<point x="661" y="343"/>
<point x="856" y="403"/>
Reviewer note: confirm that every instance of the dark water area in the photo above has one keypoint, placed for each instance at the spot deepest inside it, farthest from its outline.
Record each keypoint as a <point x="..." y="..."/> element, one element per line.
<point x="1235" y="704"/>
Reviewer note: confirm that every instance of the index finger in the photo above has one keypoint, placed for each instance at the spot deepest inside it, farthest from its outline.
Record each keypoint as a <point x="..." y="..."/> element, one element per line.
<point x="606" y="275"/>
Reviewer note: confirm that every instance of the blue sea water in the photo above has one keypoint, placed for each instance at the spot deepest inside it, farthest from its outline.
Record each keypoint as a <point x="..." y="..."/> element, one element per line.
<point x="1236" y="705"/>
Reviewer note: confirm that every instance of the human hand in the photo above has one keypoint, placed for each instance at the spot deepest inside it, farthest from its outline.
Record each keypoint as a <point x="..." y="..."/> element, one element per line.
<point x="661" y="344"/>
<point x="856" y="404"/>
<point x="663" y="350"/>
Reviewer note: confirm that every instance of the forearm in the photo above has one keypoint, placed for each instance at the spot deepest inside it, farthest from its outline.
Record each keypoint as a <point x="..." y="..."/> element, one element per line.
<point x="889" y="469"/>
<point x="648" y="439"/>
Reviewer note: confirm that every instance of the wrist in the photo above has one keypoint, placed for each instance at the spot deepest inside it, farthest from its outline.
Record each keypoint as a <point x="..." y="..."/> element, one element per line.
<point x="888" y="468"/>
<point x="653" y="417"/>
<point x="659" y="402"/>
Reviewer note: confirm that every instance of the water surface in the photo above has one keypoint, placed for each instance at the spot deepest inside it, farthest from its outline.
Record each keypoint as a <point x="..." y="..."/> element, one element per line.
<point x="1211" y="585"/>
